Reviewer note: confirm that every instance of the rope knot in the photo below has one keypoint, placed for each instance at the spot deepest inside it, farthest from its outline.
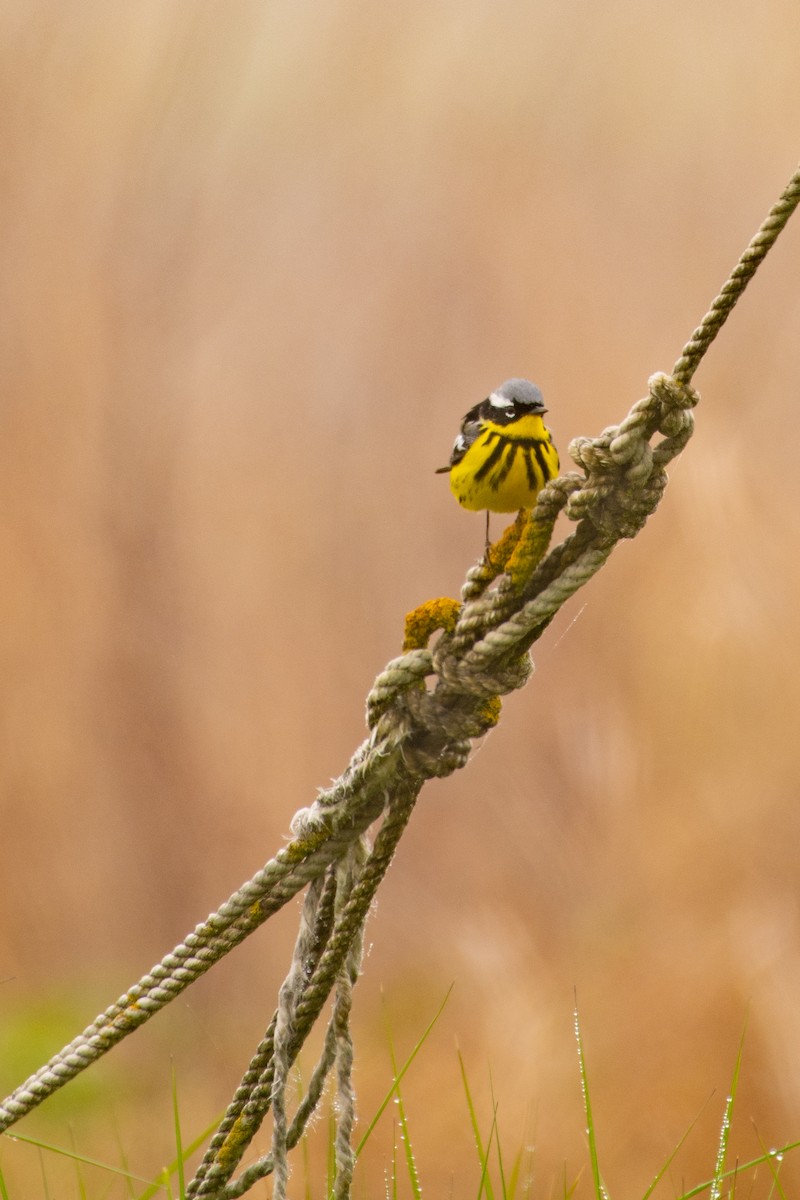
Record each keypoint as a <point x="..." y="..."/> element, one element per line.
<point x="434" y="728"/>
<point x="676" y="401"/>
<point x="670" y="393"/>
<point x="439" y="761"/>
<point x="476" y="678"/>
<point x="624" y="473"/>
<point x="404" y="672"/>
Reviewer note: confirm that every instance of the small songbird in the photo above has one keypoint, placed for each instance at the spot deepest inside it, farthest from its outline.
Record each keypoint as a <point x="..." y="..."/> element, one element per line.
<point x="504" y="454"/>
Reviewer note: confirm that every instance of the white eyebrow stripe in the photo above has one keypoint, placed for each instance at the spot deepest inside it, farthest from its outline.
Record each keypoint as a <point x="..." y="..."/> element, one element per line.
<point x="498" y="401"/>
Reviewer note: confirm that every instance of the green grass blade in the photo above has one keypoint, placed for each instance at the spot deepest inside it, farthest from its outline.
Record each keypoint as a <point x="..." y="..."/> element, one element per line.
<point x="405" y="1132"/>
<point x="510" y="1188"/>
<point x="44" y="1177"/>
<point x="770" y="1158"/>
<point x="398" y="1075"/>
<point x="394" y="1164"/>
<point x="485" y="1181"/>
<point x="725" y="1131"/>
<point x="176" y="1117"/>
<point x="500" y="1169"/>
<point x="483" y="1154"/>
<point x="78" y="1165"/>
<point x="740" y="1169"/>
<point x="659" y="1175"/>
<point x="123" y="1157"/>
<point x="82" y="1158"/>
<point x="719" y="1167"/>
<point x="599" y="1188"/>
<point x="155" y="1187"/>
<point x="569" y="1191"/>
<point x="522" y="1168"/>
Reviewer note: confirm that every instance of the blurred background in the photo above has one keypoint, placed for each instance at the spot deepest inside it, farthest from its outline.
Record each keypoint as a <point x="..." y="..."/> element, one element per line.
<point x="257" y="261"/>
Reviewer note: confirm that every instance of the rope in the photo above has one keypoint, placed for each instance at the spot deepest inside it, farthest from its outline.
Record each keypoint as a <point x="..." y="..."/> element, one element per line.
<point x="252" y="1097"/>
<point x="739" y="278"/>
<point x="297" y="864"/>
<point x="316" y="967"/>
<point x="424" y="712"/>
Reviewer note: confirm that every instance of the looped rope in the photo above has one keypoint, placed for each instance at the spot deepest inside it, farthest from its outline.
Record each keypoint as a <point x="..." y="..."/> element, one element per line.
<point x="396" y="676"/>
<point x="490" y="679"/>
<point x="625" y="476"/>
<point x="442" y="759"/>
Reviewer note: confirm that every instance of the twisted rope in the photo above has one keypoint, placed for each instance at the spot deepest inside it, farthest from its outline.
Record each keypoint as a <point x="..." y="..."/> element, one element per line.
<point x="296" y="865"/>
<point x="350" y="892"/>
<point x="739" y="278"/>
<point x="252" y="1097"/>
<point x="424" y="712"/>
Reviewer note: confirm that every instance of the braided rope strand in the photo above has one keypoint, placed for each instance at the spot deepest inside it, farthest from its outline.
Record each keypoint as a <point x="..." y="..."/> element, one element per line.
<point x="344" y="941"/>
<point x="305" y="1110"/>
<point x="272" y="887"/>
<point x="738" y="280"/>
<point x="291" y="989"/>
<point x="251" y="1098"/>
<point x="350" y="871"/>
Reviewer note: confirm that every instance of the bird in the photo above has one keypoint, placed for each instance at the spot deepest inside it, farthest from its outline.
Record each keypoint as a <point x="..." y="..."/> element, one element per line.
<point x="504" y="453"/>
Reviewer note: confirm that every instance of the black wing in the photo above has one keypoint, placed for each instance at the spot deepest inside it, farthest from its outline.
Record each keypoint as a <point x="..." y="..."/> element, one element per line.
<point x="471" y="426"/>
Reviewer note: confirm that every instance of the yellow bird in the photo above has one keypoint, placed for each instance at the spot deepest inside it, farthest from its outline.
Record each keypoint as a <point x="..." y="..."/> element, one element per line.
<point x="504" y="454"/>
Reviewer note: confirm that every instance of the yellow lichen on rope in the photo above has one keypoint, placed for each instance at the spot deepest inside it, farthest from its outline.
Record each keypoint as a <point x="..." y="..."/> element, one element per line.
<point x="489" y="711"/>
<point x="531" y="545"/>
<point x="423" y="621"/>
<point x="498" y="554"/>
<point x="238" y="1139"/>
<point x="516" y="553"/>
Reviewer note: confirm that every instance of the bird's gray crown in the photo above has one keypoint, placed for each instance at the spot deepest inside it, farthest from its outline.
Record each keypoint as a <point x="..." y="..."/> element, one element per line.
<point x="517" y="391"/>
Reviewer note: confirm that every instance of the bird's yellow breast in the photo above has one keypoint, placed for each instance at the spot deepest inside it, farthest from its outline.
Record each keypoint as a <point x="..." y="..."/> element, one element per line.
<point x="506" y="466"/>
